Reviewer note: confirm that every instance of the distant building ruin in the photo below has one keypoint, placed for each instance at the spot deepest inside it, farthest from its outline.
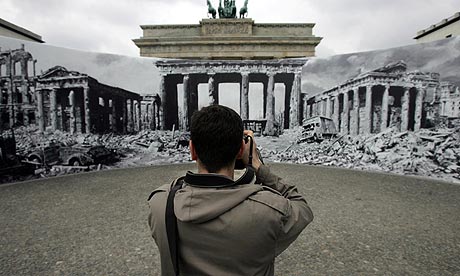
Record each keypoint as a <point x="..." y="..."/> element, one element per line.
<point x="150" y="106"/>
<point x="17" y="86"/>
<point x="388" y="96"/>
<point x="75" y="102"/>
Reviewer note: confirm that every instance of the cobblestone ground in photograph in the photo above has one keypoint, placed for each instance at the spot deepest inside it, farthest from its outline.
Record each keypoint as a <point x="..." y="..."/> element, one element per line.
<point x="365" y="223"/>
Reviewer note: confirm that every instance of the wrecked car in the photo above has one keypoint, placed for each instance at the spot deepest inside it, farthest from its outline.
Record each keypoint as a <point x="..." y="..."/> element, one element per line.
<point x="77" y="155"/>
<point x="316" y="129"/>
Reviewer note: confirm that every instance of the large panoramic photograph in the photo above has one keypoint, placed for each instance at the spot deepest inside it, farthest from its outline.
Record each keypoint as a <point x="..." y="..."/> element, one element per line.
<point x="355" y="118"/>
<point x="67" y="111"/>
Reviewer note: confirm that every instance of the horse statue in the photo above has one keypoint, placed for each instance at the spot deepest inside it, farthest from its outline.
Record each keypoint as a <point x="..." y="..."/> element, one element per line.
<point x="244" y="9"/>
<point x="211" y="10"/>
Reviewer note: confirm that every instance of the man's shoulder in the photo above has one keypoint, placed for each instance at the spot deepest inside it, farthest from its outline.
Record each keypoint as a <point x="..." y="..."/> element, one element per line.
<point x="162" y="189"/>
<point x="272" y="199"/>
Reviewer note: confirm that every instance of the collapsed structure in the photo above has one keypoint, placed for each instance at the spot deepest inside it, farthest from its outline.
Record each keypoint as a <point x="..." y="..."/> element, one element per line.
<point x="68" y="100"/>
<point x="17" y="86"/>
<point x="388" y="96"/>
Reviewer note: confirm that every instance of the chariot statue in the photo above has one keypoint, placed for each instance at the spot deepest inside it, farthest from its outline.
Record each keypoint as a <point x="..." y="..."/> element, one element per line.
<point x="228" y="10"/>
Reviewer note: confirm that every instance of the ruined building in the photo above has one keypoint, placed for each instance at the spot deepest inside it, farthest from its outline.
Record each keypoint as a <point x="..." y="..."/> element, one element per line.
<point x="17" y="85"/>
<point x="150" y="111"/>
<point x="75" y="102"/>
<point x="388" y="96"/>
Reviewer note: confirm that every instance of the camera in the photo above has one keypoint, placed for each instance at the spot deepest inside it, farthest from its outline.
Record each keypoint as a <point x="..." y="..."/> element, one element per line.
<point x="239" y="164"/>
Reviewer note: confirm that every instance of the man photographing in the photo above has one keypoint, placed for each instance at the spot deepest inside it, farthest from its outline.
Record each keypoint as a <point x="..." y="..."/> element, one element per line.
<point x="209" y="223"/>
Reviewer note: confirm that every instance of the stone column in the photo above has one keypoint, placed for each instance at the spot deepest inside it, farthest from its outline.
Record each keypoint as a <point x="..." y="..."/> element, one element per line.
<point x="386" y="95"/>
<point x="154" y="124"/>
<point x="25" y="91"/>
<point x="130" y="115"/>
<point x="10" y="101"/>
<point x="162" y="109"/>
<point x="368" y="108"/>
<point x="212" y="91"/>
<point x="264" y="92"/>
<point x="41" y="113"/>
<point x="346" y="110"/>
<point x="125" y="115"/>
<point x="114" y="116"/>
<point x="244" y="96"/>
<point x="270" y="115"/>
<point x="418" y="108"/>
<point x="139" y="115"/>
<point x="186" y="103"/>
<point x="355" y="128"/>
<point x="72" y="112"/>
<point x="305" y="109"/>
<point x="336" y="112"/>
<point x="405" y="110"/>
<point x="106" y="120"/>
<point x="87" y="109"/>
<point x="308" y="111"/>
<point x="328" y="107"/>
<point x="53" y="110"/>
<point x="193" y="98"/>
<point x="146" y="117"/>
<point x="109" y="114"/>
<point x="295" y="98"/>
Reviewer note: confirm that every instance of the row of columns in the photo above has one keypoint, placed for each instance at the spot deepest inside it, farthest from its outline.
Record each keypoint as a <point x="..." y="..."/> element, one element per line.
<point x="269" y="101"/>
<point x="130" y="119"/>
<point x="342" y="119"/>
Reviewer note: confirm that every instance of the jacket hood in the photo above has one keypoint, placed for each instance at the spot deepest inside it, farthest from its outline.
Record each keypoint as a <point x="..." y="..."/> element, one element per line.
<point x="198" y="203"/>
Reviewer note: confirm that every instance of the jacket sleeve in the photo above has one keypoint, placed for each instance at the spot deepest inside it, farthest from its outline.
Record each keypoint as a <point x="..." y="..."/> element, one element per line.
<point x="298" y="214"/>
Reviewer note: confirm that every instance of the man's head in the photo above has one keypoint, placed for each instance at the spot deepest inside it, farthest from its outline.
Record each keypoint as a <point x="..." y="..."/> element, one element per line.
<point x="216" y="135"/>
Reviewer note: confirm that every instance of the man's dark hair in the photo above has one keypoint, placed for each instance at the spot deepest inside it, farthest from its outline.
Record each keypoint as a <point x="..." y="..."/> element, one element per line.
<point x="216" y="133"/>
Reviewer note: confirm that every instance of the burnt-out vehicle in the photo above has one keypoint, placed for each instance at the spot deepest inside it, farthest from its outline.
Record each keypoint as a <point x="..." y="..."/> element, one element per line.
<point x="316" y="129"/>
<point x="77" y="155"/>
<point x="83" y="155"/>
<point x="45" y="154"/>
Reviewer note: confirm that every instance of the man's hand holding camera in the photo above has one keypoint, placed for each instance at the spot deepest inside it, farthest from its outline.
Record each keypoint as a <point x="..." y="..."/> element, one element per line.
<point x="255" y="154"/>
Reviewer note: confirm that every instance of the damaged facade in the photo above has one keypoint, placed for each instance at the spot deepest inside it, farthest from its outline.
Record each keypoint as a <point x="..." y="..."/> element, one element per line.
<point x="68" y="100"/>
<point x="191" y="73"/>
<point x="75" y="102"/>
<point x="386" y="97"/>
<point x="150" y="111"/>
<point x="17" y="87"/>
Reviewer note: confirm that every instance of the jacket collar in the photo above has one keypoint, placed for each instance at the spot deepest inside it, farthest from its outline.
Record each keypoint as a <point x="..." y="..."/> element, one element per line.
<point x="211" y="180"/>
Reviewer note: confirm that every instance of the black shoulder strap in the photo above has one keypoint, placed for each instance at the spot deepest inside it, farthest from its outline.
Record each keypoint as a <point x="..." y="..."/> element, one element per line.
<point x="171" y="225"/>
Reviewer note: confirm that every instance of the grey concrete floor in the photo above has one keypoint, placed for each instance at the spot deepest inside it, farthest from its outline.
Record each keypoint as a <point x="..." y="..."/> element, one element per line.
<point x="365" y="224"/>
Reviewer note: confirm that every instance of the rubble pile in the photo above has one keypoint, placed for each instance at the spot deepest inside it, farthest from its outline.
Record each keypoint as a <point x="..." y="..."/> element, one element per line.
<point x="433" y="153"/>
<point x="147" y="147"/>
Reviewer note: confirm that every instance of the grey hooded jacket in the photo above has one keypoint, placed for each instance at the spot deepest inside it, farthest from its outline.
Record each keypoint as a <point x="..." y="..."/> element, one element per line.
<point x="231" y="230"/>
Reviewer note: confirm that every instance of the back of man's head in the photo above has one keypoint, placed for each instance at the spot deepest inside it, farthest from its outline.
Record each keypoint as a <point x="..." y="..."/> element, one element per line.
<point x="216" y="133"/>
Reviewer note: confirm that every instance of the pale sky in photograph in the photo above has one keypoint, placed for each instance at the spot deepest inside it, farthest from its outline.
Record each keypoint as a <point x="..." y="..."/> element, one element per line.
<point x="109" y="26"/>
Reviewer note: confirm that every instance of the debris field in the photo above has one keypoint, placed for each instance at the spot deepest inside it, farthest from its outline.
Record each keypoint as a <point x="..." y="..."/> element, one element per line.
<point x="429" y="152"/>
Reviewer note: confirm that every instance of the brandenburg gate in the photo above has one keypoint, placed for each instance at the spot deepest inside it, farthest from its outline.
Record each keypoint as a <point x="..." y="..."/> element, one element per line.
<point x="229" y="50"/>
